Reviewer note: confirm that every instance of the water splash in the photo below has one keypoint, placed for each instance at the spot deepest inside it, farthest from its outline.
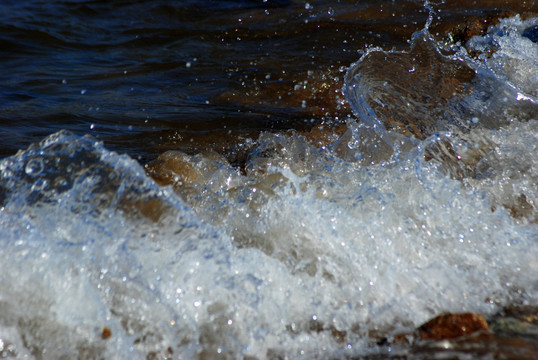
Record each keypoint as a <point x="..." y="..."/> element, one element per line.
<point x="304" y="251"/>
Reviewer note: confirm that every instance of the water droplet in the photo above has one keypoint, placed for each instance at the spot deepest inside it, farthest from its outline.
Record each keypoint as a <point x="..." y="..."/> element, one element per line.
<point x="39" y="185"/>
<point x="34" y="167"/>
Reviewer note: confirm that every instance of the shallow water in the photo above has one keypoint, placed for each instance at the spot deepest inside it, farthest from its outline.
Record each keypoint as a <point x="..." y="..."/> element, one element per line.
<point x="216" y="194"/>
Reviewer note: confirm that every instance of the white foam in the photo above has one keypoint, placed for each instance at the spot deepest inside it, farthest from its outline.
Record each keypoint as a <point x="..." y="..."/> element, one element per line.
<point x="513" y="56"/>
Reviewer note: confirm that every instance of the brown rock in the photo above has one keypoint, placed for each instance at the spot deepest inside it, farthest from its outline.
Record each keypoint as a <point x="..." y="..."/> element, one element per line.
<point x="171" y="167"/>
<point x="451" y="326"/>
<point x="151" y="209"/>
<point x="106" y="334"/>
<point x="512" y="335"/>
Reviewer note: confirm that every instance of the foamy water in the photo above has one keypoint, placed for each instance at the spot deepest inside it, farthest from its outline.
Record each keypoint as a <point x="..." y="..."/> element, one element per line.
<point x="307" y="251"/>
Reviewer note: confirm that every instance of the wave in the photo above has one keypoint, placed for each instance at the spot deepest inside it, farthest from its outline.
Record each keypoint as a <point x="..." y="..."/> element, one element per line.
<point x="304" y="249"/>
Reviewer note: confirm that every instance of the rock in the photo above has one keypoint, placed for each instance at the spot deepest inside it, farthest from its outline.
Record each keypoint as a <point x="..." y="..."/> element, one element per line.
<point x="172" y="167"/>
<point x="185" y="171"/>
<point x="451" y="326"/>
<point x="442" y="327"/>
<point x="106" y="334"/>
<point x="510" y="334"/>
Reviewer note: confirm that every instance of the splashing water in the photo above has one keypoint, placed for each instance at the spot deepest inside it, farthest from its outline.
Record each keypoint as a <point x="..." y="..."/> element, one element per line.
<point x="304" y="250"/>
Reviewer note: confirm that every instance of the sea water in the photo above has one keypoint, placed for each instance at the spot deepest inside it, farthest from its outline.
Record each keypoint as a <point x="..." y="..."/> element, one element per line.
<point x="306" y="251"/>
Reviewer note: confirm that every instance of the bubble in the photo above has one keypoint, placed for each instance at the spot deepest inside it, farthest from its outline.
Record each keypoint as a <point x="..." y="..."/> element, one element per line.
<point x="40" y="185"/>
<point x="34" y="167"/>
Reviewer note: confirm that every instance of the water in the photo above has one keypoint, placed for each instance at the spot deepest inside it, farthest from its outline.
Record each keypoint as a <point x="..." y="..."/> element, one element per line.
<point x="209" y="199"/>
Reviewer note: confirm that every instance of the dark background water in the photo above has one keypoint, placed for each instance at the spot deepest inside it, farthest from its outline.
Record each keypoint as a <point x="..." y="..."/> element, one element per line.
<point x="148" y="75"/>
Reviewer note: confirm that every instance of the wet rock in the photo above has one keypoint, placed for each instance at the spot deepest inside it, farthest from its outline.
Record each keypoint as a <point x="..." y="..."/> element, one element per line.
<point x="442" y="327"/>
<point x="451" y="326"/>
<point x="510" y="334"/>
<point x="144" y="208"/>
<point x="173" y="167"/>
<point x="106" y="333"/>
<point x="182" y="170"/>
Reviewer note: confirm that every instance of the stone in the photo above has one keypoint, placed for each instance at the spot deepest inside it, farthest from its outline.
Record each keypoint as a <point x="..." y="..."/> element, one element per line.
<point x="106" y="334"/>
<point x="451" y="326"/>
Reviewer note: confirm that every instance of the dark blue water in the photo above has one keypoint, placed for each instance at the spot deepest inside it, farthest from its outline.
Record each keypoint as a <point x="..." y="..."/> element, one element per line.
<point x="131" y="72"/>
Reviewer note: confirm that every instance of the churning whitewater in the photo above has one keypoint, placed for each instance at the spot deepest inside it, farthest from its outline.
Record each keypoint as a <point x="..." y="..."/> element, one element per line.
<point x="305" y="250"/>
